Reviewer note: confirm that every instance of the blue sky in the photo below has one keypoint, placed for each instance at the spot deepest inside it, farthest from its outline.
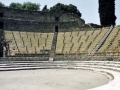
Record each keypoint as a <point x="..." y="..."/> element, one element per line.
<point x="88" y="8"/>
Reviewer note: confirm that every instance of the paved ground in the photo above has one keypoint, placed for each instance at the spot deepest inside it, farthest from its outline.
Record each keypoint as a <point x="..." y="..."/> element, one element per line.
<point x="51" y="79"/>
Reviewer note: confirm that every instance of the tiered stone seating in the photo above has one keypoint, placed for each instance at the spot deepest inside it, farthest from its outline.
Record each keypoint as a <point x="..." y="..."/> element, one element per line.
<point x="33" y="42"/>
<point x="79" y="41"/>
<point x="83" y="41"/>
<point x="49" y="40"/>
<point x="60" y="40"/>
<point x="10" y="38"/>
<point x="110" y="69"/>
<point x="97" y="36"/>
<point x="67" y="42"/>
<point x="112" y="42"/>
<point x="28" y="42"/>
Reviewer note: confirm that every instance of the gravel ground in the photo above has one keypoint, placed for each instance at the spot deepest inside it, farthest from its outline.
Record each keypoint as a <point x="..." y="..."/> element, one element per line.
<point x="51" y="79"/>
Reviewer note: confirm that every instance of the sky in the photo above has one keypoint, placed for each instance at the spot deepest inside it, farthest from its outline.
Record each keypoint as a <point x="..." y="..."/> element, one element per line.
<point x="88" y="8"/>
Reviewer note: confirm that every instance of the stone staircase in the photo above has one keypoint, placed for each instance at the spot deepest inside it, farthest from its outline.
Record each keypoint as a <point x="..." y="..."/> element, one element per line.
<point x="101" y="42"/>
<point x="109" y="68"/>
<point x="54" y="42"/>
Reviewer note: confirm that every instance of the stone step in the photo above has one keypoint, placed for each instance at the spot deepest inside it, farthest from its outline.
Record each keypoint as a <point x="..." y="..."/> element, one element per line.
<point x="59" y="66"/>
<point x="109" y="68"/>
<point x="113" y="85"/>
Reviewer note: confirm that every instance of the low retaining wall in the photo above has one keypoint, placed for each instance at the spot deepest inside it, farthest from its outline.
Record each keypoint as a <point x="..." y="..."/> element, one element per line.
<point x="64" y="58"/>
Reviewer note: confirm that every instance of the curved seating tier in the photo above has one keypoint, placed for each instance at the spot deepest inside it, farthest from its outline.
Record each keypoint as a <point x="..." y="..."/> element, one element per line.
<point x="112" y="42"/>
<point x="109" y="68"/>
<point x="74" y="42"/>
<point x="28" y="42"/>
<point x="79" y="41"/>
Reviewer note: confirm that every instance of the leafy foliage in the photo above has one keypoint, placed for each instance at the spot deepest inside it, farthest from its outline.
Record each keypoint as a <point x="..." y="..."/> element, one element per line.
<point x="15" y="5"/>
<point x="59" y="7"/>
<point x="25" y="6"/>
<point x="107" y="12"/>
<point x="2" y="5"/>
<point x="30" y="6"/>
<point x="65" y="8"/>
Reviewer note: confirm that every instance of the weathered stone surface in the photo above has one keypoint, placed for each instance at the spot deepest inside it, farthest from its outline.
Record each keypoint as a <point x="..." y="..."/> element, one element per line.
<point x="40" y="21"/>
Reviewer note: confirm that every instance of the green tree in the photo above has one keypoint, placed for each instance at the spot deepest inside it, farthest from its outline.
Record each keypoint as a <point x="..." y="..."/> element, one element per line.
<point x="107" y="12"/>
<point x="15" y="5"/>
<point x="25" y="6"/>
<point x="31" y="6"/>
<point x="59" y="7"/>
<point x="2" y="5"/>
<point x="73" y="9"/>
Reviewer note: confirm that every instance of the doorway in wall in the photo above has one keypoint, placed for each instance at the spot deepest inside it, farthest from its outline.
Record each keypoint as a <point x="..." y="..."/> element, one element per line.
<point x="1" y="25"/>
<point x="1" y="15"/>
<point x="56" y="28"/>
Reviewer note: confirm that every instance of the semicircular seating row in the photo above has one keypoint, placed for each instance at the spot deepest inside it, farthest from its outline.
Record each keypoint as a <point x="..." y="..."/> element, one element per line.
<point x="108" y="68"/>
<point x="83" y="41"/>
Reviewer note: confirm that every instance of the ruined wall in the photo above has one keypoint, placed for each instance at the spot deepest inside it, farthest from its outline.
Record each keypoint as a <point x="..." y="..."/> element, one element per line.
<point x="38" y="26"/>
<point x="35" y="20"/>
<point x="37" y="15"/>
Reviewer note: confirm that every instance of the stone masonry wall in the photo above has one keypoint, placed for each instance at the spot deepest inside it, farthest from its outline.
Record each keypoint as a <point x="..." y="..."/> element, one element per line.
<point x="38" y="26"/>
<point x="15" y="19"/>
<point x="38" y="16"/>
